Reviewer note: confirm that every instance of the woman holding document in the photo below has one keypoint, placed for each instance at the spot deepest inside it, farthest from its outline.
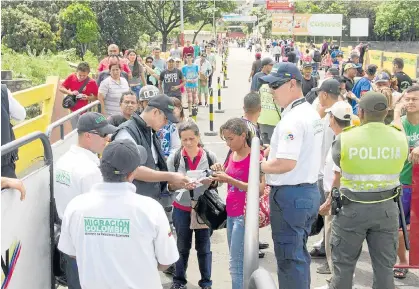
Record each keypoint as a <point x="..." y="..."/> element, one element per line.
<point x="192" y="160"/>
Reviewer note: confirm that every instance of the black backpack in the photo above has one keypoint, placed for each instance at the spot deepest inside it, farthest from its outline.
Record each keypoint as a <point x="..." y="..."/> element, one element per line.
<point x="317" y="56"/>
<point x="209" y="207"/>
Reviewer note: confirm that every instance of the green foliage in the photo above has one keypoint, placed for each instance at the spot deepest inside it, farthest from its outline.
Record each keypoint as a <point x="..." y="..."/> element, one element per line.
<point x="20" y="30"/>
<point x="36" y="66"/>
<point x="78" y="27"/>
<point x="398" y="20"/>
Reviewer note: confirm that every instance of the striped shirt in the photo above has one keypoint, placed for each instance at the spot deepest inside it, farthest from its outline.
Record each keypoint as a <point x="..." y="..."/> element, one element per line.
<point x="112" y="91"/>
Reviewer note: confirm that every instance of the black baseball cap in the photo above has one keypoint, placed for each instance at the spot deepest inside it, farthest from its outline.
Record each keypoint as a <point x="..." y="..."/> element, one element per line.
<point x="330" y="85"/>
<point x="165" y="104"/>
<point x="124" y="156"/>
<point x="94" y="121"/>
<point x="282" y="72"/>
<point x="267" y="61"/>
<point x="333" y="71"/>
<point x="373" y="101"/>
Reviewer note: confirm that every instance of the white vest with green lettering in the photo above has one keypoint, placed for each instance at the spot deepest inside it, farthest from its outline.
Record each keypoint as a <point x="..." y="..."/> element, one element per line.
<point x="372" y="157"/>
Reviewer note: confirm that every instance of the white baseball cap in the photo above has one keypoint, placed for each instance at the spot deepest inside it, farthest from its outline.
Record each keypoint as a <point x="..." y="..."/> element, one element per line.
<point x="341" y="110"/>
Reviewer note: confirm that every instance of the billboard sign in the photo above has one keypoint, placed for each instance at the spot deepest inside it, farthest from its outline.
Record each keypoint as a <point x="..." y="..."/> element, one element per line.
<point x="278" y="5"/>
<point x="359" y="27"/>
<point x="307" y="24"/>
<point x="240" y="18"/>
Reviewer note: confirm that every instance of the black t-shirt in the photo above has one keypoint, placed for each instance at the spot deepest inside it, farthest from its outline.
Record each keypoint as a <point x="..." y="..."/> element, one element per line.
<point x="349" y="84"/>
<point x="403" y="81"/>
<point x="307" y="85"/>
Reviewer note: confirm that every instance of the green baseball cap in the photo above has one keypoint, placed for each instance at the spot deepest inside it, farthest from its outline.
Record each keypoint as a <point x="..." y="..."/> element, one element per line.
<point x="165" y="104"/>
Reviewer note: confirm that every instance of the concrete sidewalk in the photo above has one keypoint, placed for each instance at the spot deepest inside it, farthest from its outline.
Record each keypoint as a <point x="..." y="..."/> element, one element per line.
<point x="239" y="65"/>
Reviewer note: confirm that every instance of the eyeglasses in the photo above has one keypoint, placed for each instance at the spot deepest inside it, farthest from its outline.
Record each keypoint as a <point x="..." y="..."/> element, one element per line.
<point x="102" y="135"/>
<point x="277" y="84"/>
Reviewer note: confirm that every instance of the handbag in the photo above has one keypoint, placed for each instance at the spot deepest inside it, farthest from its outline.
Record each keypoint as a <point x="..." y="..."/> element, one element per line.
<point x="317" y="226"/>
<point x="70" y="100"/>
<point x="264" y="208"/>
<point x="212" y="210"/>
<point x="196" y="221"/>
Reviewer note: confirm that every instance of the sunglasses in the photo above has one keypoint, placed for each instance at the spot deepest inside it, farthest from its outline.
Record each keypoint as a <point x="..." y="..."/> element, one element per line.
<point x="149" y="61"/>
<point x="102" y="135"/>
<point x="277" y="84"/>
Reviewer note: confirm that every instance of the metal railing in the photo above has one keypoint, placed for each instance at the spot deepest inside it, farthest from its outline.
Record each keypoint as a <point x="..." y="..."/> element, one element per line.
<point x="254" y="276"/>
<point x="48" y="159"/>
<point x="61" y="121"/>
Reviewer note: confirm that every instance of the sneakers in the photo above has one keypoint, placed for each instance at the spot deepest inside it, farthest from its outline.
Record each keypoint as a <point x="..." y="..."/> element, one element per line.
<point x="317" y="254"/>
<point x="261" y="254"/>
<point x="324" y="269"/>
<point x="170" y="270"/>
<point x="178" y="286"/>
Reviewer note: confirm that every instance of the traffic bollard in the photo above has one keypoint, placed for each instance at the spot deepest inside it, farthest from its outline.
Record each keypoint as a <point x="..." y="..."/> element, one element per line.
<point x="224" y="79"/>
<point x="225" y="71"/>
<point x="211" y="114"/>
<point x="219" y="110"/>
<point x="194" y="112"/>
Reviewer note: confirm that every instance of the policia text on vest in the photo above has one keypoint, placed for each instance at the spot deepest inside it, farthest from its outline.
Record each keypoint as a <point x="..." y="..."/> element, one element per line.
<point x="371" y="158"/>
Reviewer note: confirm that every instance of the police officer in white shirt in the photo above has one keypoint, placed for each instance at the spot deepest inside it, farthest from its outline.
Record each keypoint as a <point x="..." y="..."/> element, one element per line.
<point x="119" y="238"/>
<point x="78" y="170"/>
<point x="292" y="170"/>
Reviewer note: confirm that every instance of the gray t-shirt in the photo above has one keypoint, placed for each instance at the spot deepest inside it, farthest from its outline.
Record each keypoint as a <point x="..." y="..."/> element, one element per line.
<point x="170" y="78"/>
<point x="135" y="80"/>
<point x="176" y="53"/>
<point x="160" y="63"/>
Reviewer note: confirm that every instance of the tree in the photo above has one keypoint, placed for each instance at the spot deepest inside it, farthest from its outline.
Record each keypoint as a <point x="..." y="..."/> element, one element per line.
<point x="398" y="20"/>
<point x="162" y="15"/>
<point x="120" y="22"/>
<point x="202" y="12"/>
<point x="79" y="26"/>
<point x="21" y="30"/>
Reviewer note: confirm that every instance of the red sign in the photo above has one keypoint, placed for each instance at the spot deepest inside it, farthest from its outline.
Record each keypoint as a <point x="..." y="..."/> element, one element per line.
<point x="278" y="5"/>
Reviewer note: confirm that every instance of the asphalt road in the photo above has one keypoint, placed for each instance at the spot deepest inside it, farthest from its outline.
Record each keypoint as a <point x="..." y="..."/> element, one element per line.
<point x="239" y="64"/>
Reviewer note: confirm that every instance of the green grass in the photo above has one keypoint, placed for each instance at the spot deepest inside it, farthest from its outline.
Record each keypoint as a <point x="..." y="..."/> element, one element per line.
<point x="38" y="68"/>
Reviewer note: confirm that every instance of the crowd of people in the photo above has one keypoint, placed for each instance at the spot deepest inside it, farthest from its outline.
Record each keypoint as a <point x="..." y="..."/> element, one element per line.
<point x="137" y="202"/>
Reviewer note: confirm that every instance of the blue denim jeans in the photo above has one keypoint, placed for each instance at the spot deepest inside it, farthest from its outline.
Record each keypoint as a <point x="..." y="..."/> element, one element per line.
<point x="182" y="221"/>
<point x="136" y="89"/>
<point x="71" y="272"/>
<point x="235" y="237"/>
<point x="293" y="211"/>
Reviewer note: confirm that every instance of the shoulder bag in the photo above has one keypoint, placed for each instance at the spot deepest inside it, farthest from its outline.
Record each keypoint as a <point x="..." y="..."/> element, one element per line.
<point x="70" y="100"/>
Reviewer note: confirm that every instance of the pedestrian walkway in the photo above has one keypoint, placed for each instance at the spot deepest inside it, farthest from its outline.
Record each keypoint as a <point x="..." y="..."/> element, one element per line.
<point x="239" y="64"/>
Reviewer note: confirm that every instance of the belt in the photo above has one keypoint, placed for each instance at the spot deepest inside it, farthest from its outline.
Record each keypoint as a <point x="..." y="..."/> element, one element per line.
<point x="297" y="186"/>
<point x="367" y="197"/>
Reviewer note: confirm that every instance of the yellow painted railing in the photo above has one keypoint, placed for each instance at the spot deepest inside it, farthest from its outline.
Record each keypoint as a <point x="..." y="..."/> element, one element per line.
<point x="384" y="59"/>
<point x="44" y="95"/>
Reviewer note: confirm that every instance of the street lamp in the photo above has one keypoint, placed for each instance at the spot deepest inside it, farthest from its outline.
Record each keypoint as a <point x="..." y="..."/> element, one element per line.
<point x="182" y="39"/>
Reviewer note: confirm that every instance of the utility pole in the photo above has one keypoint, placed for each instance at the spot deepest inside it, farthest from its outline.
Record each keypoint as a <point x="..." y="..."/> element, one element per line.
<point x="182" y="36"/>
<point x="213" y="23"/>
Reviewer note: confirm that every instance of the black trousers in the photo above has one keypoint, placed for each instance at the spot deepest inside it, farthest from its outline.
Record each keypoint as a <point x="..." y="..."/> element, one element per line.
<point x="9" y="171"/>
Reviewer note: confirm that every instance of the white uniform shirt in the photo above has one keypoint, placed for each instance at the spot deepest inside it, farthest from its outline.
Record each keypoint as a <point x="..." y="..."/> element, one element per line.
<point x="16" y="110"/>
<point x="75" y="173"/>
<point x="329" y="172"/>
<point x="298" y="136"/>
<point x="118" y="238"/>
<point x="328" y="136"/>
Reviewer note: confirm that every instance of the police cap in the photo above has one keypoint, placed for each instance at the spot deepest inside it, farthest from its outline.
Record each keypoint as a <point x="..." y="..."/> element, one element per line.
<point x="373" y="102"/>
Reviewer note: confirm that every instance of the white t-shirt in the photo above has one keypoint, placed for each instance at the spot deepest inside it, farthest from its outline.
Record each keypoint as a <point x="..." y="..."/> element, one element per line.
<point x="298" y="136"/>
<point x="329" y="172"/>
<point x="328" y="136"/>
<point x="118" y="238"/>
<point x="75" y="173"/>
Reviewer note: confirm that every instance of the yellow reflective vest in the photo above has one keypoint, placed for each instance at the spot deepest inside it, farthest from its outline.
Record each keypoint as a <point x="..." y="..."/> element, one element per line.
<point x="372" y="157"/>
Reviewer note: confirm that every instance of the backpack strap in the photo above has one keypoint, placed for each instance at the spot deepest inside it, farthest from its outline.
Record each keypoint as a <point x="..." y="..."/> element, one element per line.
<point x="209" y="159"/>
<point x="176" y="161"/>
